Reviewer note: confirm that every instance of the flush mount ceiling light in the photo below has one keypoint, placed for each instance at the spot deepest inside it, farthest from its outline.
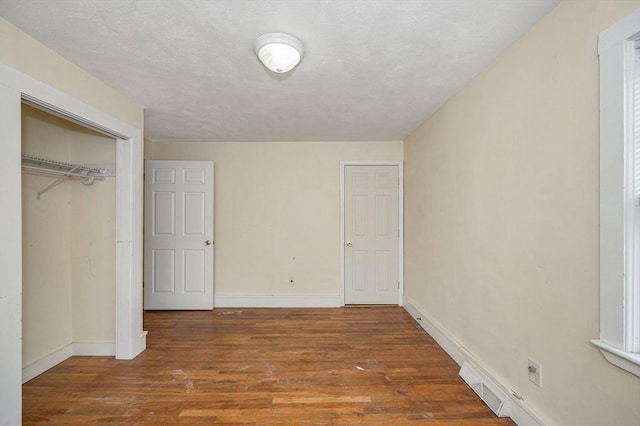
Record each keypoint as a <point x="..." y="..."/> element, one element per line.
<point x="279" y="52"/>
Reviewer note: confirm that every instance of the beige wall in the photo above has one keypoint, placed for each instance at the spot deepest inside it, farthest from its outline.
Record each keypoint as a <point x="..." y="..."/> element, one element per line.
<point x="68" y="241"/>
<point x="46" y="272"/>
<point x="93" y="241"/>
<point x="502" y="220"/>
<point x="148" y="146"/>
<point x="275" y="201"/>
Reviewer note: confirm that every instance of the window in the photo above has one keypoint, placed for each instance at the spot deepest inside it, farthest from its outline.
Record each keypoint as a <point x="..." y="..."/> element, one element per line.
<point x="619" y="50"/>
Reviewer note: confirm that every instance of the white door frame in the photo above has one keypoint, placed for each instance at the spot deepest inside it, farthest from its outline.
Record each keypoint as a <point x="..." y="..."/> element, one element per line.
<point x="400" y="164"/>
<point x="130" y="338"/>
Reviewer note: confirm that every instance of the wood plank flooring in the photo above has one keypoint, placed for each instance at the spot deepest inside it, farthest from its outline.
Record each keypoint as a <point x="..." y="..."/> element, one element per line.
<point x="368" y="365"/>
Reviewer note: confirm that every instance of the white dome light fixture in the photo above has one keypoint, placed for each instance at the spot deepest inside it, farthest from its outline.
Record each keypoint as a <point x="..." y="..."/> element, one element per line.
<point x="279" y="52"/>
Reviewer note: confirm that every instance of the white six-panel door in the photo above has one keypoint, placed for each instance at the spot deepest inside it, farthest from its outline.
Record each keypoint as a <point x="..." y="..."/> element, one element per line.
<point x="371" y="234"/>
<point x="178" y="235"/>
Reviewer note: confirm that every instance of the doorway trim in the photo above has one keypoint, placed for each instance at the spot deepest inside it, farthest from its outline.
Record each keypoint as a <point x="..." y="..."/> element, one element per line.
<point x="400" y="165"/>
<point x="130" y="339"/>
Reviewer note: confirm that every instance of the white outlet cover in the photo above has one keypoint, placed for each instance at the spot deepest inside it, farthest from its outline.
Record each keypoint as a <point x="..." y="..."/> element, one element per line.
<point x="535" y="376"/>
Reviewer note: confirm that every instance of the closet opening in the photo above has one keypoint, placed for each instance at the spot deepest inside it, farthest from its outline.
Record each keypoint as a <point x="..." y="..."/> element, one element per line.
<point x="68" y="241"/>
<point x="17" y="87"/>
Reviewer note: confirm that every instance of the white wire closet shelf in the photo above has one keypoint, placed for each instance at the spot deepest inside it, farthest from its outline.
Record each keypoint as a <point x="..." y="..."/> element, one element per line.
<point x="86" y="174"/>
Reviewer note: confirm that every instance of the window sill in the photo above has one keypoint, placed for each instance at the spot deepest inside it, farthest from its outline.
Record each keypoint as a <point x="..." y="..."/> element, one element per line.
<point x="626" y="360"/>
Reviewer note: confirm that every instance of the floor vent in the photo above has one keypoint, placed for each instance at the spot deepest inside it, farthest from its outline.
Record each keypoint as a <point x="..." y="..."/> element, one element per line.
<point x="497" y="400"/>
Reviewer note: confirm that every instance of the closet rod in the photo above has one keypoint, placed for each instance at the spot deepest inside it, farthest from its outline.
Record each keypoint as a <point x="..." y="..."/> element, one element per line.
<point x="46" y="171"/>
<point x="44" y="162"/>
<point x="59" y="168"/>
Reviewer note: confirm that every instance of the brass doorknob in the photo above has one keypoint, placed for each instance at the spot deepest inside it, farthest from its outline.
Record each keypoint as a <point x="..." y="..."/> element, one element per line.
<point x="208" y="242"/>
<point x="348" y="243"/>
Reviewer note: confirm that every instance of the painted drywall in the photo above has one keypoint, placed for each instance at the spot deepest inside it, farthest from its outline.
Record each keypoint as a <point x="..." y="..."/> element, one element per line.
<point x="68" y="241"/>
<point x="501" y="219"/>
<point x="93" y="241"/>
<point x="22" y="52"/>
<point x="47" y="301"/>
<point x="277" y="211"/>
<point x="148" y="147"/>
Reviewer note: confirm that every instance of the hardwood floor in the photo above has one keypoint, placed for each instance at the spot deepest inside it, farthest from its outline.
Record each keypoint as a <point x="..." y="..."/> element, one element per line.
<point x="371" y="365"/>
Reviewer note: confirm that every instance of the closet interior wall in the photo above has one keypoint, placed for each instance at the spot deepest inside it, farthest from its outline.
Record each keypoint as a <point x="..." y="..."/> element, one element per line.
<point x="68" y="241"/>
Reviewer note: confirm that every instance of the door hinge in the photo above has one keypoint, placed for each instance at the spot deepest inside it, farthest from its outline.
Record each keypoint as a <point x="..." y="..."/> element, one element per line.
<point x="398" y="285"/>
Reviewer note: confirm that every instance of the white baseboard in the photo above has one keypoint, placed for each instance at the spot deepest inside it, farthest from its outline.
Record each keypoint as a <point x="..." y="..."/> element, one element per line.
<point x="447" y="343"/>
<point x="285" y="301"/>
<point x="36" y="368"/>
<point x="520" y="414"/>
<point x="81" y="349"/>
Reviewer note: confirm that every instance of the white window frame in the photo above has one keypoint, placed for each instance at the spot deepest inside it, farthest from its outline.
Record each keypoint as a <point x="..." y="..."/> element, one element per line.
<point x="619" y="224"/>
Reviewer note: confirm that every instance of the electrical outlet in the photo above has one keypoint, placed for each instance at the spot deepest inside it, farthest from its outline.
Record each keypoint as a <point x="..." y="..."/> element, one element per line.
<point x="535" y="372"/>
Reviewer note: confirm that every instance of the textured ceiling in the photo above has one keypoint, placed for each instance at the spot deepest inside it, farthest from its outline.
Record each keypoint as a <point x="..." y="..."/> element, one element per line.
<point x="373" y="69"/>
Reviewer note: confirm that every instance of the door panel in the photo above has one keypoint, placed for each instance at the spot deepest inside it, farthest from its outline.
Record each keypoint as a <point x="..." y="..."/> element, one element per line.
<point x="164" y="213"/>
<point x="194" y="213"/>
<point x="359" y="273"/>
<point x="360" y="215"/>
<point x="383" y="213"/>
<point x="372" y="235"/>
<point x="163" y="278"/>
<point x="383" y="277"/>
<point x="178" y="272"/>
<point x="194" y="275"/>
